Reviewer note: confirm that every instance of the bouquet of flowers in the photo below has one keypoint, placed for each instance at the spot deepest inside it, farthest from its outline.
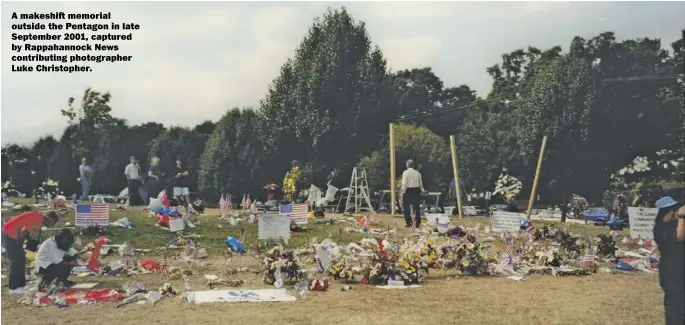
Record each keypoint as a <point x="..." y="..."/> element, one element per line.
<point x="271" y="187"/>
<point x="290" y="182"/>
<point x="280" y="261"/>
<point x="376" y="272"/>
<point x="48" y="188"/>
<point x="606" y="245"/>
<point x="410" y="272"/>
<point x="546" y="232"/>
<point x="341" y="270"/>
<point x="468" y="257"/>
<point x="578" y="205"/>
<point x="547" y="257"/>
<point x="507" y="186"/>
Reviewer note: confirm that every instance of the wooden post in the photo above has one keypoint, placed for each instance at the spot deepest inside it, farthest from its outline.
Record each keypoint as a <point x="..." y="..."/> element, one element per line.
<point x="537" y="177"/>
<point x="455" y="170"/>
<point x="393" y="189"/>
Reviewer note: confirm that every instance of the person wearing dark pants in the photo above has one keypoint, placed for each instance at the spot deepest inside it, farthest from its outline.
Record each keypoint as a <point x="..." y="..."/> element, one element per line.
<point x="134" y="180"/>
<point x="412" y="187"/>
<point x="669" y="234"/>
<point x="55" y="259"/>
<point x="14" y="234"/>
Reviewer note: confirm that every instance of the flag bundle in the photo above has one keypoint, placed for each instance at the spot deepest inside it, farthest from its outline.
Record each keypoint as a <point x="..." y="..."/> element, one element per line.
<point x="164" y="266"/>
<point x="510" y="250"/>
<point x="190" y="250"/>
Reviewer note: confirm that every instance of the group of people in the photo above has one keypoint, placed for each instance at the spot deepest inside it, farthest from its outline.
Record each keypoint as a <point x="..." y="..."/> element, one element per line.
<point x="143" y="186"/>
<point x="54" y="259"/>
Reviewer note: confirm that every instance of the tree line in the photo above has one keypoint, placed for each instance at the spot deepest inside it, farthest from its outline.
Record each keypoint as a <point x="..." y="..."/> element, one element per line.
<point x="600" y="103"/>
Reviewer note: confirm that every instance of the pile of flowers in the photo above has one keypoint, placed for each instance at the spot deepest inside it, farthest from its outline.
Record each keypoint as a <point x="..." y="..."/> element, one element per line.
<point x="468" y="257"/>
<point x="48" y="189"/>
<point x="606" y="246"/>
<point x="280" y="263"/>
<point x="507" y="186"/>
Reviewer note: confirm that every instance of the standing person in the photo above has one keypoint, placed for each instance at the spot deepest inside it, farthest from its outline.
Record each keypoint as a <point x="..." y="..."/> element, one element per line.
<point x="142" y="189"/>
<point x="154" y="178"/>
<point x="133" y="178"/>
<point x="412" y="187"/>
<point x="56" y="258"/>
<point x="86" y="173"/>
<point x="14" y="234"/>
<point x="669" y="234"/>
<point x="181" y="192"/>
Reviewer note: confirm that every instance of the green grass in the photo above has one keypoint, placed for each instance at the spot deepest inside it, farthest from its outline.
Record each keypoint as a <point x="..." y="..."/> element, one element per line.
<point x="145" y="235"/>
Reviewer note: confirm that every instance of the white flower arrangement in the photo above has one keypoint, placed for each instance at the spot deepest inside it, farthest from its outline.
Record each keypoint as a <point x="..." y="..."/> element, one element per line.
<point x="507" y="186"/>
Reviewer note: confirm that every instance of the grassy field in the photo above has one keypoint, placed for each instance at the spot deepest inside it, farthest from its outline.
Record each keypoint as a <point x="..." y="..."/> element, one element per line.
<point x="617" y="298"/>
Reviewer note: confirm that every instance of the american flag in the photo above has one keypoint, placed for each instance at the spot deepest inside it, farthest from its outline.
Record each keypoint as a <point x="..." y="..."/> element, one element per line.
<point x="92" y="214"/>
<point x="190" y="250"/>
<point x="588" y="261"/>
<point x="296" y="212"/>
<point x="163" y="267"/>
<point x="510" y="250"/>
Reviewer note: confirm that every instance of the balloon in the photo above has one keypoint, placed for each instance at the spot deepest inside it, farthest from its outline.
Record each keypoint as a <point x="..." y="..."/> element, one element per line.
<point x="174" y="212"/>
<point x="155" y="205"/>
<point x="235" y="245"/>
<point x="163" y="220"/>
<point x="166" y="202"/>
<point x="164" y="211"/>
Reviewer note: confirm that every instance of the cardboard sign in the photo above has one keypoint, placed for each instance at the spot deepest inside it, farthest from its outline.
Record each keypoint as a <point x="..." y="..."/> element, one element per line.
<point x="273" y="227"/>
<point x="642" y="222"/>
<point x="506" y="221"/>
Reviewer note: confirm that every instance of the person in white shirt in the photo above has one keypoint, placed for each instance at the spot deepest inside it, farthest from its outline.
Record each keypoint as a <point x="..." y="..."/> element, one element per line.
<point x="412" y="187"/>
<point x="55" y="259"/>
<point x="134" y="179"/>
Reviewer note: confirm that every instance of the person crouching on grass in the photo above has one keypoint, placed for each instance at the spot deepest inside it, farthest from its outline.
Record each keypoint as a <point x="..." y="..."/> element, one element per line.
<point x="14" y="233"/>
<point x="55" y="259"/>
<point x="669" y="234"/>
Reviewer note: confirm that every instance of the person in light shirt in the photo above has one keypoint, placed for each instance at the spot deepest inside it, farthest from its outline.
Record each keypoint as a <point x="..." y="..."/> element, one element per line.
<point x="412" y="187"/>
<point x="55" y="259"/>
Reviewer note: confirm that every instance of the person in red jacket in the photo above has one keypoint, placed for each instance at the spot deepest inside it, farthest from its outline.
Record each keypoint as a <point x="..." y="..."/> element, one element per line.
<point x="14" y="233"/>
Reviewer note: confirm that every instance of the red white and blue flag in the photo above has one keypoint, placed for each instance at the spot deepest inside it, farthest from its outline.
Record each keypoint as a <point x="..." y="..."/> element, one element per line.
<point x="96" y="214"/>
<point x="588" y="261"/>
<point x="296" y="212"/>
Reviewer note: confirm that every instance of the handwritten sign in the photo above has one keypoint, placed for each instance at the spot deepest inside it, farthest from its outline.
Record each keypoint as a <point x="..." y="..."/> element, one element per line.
<point x="506" y="221"/>
<point x="642" y="222"/>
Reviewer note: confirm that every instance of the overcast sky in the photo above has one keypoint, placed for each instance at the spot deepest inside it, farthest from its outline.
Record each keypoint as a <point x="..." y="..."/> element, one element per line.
<point x="194" y="60"/>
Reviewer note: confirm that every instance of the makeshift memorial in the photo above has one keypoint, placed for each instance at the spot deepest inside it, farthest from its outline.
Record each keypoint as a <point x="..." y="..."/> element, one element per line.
<point x="606" y="246"/>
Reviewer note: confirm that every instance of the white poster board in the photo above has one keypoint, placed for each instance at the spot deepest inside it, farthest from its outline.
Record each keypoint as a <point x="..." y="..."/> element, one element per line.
<point x="176" y="225"/>
<point x="435" y="218"/>
<point x="273" y="227"/>
<point x="506" y="221"/>
<point x="642" y="222"/>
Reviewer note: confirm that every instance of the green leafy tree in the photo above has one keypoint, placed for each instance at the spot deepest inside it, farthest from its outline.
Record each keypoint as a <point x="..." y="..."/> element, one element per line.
<point x="179" y="142"/>
<point x="326" y="106"/>
<point x="429" y="151"/>
<point x="232" y="159"/>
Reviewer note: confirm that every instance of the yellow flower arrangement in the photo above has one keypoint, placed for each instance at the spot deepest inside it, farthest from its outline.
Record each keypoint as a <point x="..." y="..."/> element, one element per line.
<point x="289" y="183"/>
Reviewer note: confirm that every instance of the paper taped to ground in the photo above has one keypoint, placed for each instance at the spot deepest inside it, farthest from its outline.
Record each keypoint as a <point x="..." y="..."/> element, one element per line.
<point x="642" y="222"/>
<point x="264" y="295"/>
<point x="506" y="221"/>
<point x="273" y="227"/>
